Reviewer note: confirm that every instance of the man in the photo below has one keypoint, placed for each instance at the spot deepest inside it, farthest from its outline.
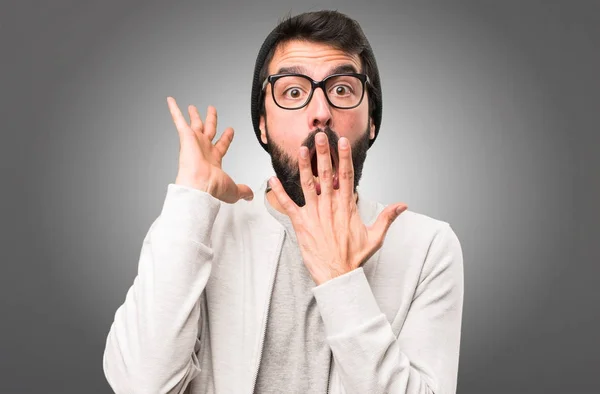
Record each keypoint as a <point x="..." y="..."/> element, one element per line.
<point x="294" y="290"/>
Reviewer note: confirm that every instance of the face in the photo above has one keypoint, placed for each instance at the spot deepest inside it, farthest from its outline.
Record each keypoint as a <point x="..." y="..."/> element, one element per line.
<point x="284" y="131"/>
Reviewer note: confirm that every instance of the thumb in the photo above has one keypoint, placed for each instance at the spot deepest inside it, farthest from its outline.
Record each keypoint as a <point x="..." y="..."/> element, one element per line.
<point x="384" y="221"/>
<point x="245" y="192"/>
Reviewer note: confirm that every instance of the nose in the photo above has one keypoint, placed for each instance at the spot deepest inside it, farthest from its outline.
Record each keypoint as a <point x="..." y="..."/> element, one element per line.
<point x="319" y="111"/>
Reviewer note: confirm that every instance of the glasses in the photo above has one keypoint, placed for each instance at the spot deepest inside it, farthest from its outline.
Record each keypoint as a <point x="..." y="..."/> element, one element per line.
<point x="294" y="91"/>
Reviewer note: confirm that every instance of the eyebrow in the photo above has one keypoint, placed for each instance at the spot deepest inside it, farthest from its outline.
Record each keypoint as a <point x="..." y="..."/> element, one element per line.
<point x="291" y="70"/>
<point x="342" y="68"/>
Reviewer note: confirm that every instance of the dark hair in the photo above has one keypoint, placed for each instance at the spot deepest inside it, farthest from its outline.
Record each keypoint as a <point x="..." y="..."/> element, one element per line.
<point x="332" y="28"/>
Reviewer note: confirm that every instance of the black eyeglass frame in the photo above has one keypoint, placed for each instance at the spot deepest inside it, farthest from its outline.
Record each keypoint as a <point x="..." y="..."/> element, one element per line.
<point x="271" y="79"/>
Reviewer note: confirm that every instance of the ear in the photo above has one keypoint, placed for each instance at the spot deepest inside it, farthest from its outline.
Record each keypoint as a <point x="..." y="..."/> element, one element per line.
<point x="261" y="126"/>
<point x="371" y="129"/>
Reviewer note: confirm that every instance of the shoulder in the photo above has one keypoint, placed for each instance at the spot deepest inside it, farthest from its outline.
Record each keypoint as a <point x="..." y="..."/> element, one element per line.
<point x="413" y="225"/>
<point x="426" y="227"/>
<point x="430" y="238"/>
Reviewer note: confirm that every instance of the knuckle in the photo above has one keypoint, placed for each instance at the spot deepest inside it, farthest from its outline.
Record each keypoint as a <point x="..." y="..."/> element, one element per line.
<point x="309" y="183"/>
<point x="326" y="173"/>
<point x="346" y="174"/>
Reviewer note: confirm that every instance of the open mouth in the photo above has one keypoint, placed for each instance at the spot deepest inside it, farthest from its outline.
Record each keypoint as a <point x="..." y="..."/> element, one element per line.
<point x="334" y="165"/>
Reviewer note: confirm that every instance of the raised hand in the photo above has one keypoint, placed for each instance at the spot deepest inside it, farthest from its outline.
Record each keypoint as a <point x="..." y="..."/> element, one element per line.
<point x="200" y="160"/>
<point x="331" y="235"/>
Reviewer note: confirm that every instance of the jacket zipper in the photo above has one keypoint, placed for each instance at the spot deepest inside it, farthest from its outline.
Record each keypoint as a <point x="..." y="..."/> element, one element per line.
<point x="264" y="331"/>
<point x="329" y="374"/>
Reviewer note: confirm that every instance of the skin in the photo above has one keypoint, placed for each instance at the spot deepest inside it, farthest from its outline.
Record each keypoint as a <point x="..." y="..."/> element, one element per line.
<point x="331" y="235"/>
<point x="332" y="238"/>
<point x="288" y="129"/>
<point x="200" y="161"/>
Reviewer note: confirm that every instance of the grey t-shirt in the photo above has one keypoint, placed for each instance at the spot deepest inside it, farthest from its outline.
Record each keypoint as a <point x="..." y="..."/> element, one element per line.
<point x="295" y="358"/>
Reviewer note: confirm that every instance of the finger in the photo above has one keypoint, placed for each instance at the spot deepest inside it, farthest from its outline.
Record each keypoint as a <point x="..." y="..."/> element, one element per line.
<point x="245" y="192"/>
<point x="210" y="126"/>
<point x="345" y="171"/>
<point x="195" y="120"/>
<point x="307" y="180"/>
<point x="378" y="230"/>
<point x="224" y="141"/>
<point x="282" y="197"/>
<point x="324" y="167"/>
<point x="177" y="116"/>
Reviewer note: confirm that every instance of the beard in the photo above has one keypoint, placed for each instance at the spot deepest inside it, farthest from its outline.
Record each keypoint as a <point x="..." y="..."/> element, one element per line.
<point x="287" y="170"/>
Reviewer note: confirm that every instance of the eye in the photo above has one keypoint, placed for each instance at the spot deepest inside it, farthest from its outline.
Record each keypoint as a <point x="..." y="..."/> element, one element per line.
<point x="293" y="93"/>
<point x="342" y="90"/>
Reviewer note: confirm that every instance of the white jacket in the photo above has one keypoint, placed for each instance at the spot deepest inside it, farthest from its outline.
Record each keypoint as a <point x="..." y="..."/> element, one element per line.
<point x="194" y="319"/>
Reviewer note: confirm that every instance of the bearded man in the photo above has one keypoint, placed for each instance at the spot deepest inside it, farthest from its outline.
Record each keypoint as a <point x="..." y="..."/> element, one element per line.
<point x="304" y="286"/>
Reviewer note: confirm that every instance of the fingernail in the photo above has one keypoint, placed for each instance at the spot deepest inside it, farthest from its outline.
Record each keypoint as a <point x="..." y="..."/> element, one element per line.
<point x="344" y="142"/>
<point x="400" y="209"/>
<point x="304" y="152"/>
<point x="320" y="138"/>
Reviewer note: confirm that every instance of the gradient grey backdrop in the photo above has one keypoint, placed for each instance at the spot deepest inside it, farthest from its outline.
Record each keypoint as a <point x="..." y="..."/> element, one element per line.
<point x="490" y="123"/>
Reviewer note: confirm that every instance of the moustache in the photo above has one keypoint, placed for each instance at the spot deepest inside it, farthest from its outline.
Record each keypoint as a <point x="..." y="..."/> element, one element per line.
<point x="332" y="139"/>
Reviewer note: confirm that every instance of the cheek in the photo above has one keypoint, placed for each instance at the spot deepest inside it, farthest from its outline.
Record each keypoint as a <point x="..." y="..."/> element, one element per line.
<point x="285" y="130"/>
<point x="353" y="126"/>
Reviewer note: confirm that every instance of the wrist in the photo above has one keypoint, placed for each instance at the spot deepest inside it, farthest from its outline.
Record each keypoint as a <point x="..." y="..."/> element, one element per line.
<point x="204" y="186"/>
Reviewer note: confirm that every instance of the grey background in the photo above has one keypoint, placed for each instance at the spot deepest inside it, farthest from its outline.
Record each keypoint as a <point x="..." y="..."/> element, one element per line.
<point x="491" y="122"/>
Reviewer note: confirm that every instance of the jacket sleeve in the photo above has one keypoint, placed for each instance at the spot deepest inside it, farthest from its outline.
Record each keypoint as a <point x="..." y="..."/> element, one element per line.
<point x="424" y="357"/>
<point x="153" y="342"/>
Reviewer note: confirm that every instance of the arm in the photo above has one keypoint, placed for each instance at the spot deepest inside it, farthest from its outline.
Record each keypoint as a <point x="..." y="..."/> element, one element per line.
<point x="153" y="341"/>
<point x="424" y="357"/>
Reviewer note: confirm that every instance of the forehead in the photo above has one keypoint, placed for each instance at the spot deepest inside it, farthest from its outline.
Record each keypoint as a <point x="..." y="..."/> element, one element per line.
<point x="315" y="59"/>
